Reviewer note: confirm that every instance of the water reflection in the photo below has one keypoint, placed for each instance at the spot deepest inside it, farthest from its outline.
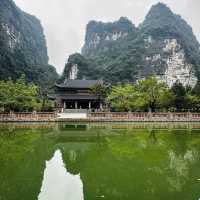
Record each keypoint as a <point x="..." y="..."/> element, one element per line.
<point x="58" y="183"/>
<point x="115" y="161"/>
<point x="11" y="127"/>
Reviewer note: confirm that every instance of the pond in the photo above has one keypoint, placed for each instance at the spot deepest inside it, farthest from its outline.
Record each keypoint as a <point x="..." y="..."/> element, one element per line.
<point x="66" y="161"/>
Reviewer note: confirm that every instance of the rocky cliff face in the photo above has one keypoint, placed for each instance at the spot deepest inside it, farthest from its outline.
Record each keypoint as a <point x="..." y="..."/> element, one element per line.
<point x="177" y="67"/>
<point x="100" y="36"/>
<point x="178" y="54"/>
<point x="22" y="45"/>
<point x="163" y="45"/>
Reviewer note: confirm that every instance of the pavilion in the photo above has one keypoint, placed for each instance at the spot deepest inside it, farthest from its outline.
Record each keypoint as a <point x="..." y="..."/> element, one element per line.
<point x="76" y="94"/>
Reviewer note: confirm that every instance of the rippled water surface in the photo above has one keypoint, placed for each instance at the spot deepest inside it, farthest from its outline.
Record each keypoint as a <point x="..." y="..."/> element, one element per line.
<point x="100" y="161"/>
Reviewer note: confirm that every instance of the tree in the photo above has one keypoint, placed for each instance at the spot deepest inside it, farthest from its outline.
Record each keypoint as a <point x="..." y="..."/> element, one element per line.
<point x="154" y="94"/>
<point x="193" y="98"/>
<point x="148" y="94"/>
<point x="99" y="90"/>
<point x="46" y="104"/>
<point x="125" y="98"/>
<point x="180" y="93"/>
<point x="19" y="96"/>
<point x="196" y="89"/>
<point x="193" y="102"/>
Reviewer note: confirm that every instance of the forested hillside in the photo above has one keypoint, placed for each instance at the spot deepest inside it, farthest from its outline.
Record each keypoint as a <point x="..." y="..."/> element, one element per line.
<point x="163" y="45"/>
<point x="23" y="46"/>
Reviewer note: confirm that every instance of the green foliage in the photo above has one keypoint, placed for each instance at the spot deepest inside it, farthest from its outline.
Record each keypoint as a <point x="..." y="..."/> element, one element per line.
<point x="46" y="104"/>
<point x="99" y="90"/>
<point x="180" y="101"/>
<point x="152" y="95"/>
<point x="20" y="96"/>
<point x="43" y="76"/>
<point x="155" y="94"/>
<point x="147" y="94"/>
<point x="85" y="67"/>
<point x="125" y="98"/>
<point x="196" y="89"/>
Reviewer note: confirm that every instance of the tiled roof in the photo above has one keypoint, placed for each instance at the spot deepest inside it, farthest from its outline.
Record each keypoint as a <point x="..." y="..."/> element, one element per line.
<point x="85" y="84"/>
<point x="78" y="97"/>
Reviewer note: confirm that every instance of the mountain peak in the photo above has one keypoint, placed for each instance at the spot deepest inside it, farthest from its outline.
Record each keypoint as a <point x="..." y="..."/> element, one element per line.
<point x="125" y="20"/>
<point x="161" y="6"/>
<point x="161" y="21"/>
<point x="122" y="21"/>
<point x="159" y="10"/>
<point x="100" y="34"/>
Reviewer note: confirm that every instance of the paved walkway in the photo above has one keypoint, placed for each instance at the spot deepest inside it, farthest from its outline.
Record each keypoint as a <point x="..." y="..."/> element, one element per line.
<point x="72" y="115"/>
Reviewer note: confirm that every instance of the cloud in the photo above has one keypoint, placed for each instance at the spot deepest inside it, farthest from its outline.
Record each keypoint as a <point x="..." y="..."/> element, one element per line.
<point x="64" y="21"/>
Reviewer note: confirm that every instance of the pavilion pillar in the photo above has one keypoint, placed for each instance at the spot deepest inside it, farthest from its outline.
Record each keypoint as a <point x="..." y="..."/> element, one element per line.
<point x="76" y="105"/>
<point x="101" y="106"/>
<point x="89" y="105"/>
<point x="64" y="104"/>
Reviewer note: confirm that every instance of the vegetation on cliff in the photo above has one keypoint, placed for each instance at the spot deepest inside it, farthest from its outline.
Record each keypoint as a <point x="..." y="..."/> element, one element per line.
<point x="23" y="47"/>
<point x="119" y="52"/>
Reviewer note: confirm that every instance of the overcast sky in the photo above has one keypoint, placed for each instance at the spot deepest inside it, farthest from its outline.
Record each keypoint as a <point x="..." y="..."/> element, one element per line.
<point x="64" y="21"/>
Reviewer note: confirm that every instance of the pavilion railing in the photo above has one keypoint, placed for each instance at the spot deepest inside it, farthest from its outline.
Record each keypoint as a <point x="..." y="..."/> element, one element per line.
<point x="28" y="116"/>
<point x="144" y="116"/>
<point x="106" y="116"/>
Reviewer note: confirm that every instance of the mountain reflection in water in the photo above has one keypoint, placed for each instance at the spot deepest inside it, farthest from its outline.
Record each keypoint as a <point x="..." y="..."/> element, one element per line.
<point x="58" y="183"/>
<point x="110" y="161"/>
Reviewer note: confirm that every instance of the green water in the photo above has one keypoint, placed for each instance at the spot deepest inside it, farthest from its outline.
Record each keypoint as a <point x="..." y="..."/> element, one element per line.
<point x="99" y="161"/>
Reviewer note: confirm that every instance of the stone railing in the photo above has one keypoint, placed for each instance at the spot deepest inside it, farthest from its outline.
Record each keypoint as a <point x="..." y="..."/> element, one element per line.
<point x="104" y="116"/>
<point x="160" y="117"/>
<point x="4" y="117"/>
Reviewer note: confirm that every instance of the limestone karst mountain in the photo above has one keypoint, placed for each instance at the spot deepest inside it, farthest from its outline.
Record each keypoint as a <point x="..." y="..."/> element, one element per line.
<point x="163" y="45"/>
<point x="23" y="46"/>
<point x="101" y="36"/>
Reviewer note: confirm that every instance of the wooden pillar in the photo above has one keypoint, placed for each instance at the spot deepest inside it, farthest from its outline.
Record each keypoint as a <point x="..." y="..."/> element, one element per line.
<point x="101" y="106"/>
<point x="76" y="105"/>
<point x="89" y="104"/>
<point x="64" y="104"/>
